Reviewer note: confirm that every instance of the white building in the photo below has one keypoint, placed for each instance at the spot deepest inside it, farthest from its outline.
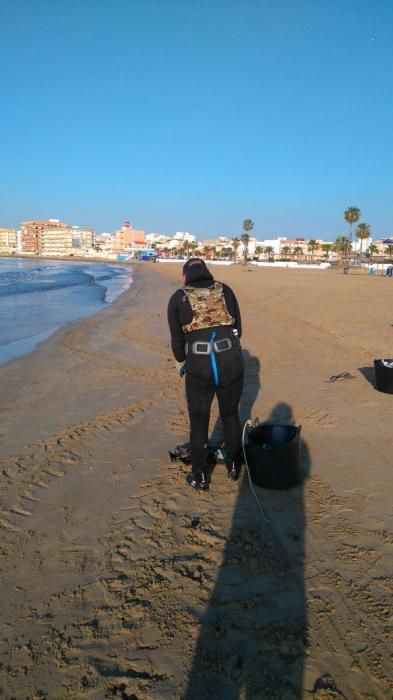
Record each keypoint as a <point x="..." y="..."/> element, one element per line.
<point x="71" y="240"/>
<point x="157" y="238"/>
<point x="19" y="240"/>
<point x="8" y="240"/>
<point x="358" y="245"/>
<point x="179" y="240"/>
<point x="184" y="236"/>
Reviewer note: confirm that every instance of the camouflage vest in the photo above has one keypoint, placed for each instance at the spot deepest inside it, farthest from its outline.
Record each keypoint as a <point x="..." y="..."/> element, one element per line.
<point x="208" y="307"/>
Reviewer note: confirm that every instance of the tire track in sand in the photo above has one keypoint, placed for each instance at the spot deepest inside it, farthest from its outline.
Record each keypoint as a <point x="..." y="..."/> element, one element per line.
<point x="27" y="477"/>
<point x="349" y="617"/>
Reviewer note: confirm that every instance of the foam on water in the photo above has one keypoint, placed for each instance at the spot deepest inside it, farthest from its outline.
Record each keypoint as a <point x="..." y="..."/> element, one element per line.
<point x="37" y="298"/>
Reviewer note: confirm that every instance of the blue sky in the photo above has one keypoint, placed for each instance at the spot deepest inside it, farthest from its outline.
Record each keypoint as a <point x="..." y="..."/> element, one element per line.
<point x="196" y="114"/>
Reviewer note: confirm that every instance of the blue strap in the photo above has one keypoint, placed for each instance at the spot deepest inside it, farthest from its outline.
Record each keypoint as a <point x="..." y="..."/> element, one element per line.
<point x="213" y="359"/>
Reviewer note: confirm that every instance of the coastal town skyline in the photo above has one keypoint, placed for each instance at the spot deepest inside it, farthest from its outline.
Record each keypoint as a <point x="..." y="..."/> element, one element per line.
<point x="196" y="355"/>
<point x="53" y="237"/>
<point x="194" y="116"/>
<point x="259" y="232"/>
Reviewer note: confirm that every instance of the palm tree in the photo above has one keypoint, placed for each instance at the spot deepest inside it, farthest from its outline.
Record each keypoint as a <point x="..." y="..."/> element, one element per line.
<point x="298" y="250"/>
<point x="285" y="250"/>
<point x="312" y="246"/>
<point x="186" y="248"/>
<point x="245" y="239"/>
<point x="352" y="216"/>
<point x="389" y="250"/>
<point x="258" y="251"/>
<point x="192" y="246"/>
<point x="362" y="232"/>
<point x="248" y="225"/>
<point x="343" y="246"/>
<point x="268" y="251"/>
<point x="326" y="247"/>
<point x="235" y="244"/>
<point x="372" y="248"/>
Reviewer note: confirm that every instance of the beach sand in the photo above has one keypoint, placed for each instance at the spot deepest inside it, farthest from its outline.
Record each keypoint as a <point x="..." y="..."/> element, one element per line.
<point x="107" y="588"/>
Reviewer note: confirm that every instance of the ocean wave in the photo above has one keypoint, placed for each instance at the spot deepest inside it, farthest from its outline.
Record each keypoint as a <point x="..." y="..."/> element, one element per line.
<point x="35" y="299"/>
<point x="31" y="282"/>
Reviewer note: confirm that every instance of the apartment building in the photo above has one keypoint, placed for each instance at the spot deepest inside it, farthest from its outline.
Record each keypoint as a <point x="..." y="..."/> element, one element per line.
<point x="220" y="242"/>
<point x="8" y="240"/>
<point x="103" y="243"/>
<point x="382" y="248"/>
<point x="298" y="247"/>
<point x="32" y="233"/>
<point x="82" y="238"/>
<point x="158" y="239"/>
<point x="127" y="237"/>
<point x="184" y="237"/>
<point x="180" y="241"/>
<point x="71" y="240"/>
<point x="217" y="245"/>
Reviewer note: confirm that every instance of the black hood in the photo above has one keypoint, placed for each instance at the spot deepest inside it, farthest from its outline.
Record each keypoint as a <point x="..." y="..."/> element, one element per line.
<point x="195" y="270"/>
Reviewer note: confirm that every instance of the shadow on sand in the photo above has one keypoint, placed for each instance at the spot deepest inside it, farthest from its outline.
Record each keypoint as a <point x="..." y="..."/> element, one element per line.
<point x="369" y="374"/>
<point x="251" y="388"/>
<point x="253" y="634"/>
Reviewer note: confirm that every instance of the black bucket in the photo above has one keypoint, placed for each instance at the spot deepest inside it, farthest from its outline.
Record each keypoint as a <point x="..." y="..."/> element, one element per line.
<point x="383" y="376"/>
<point x="273" y="456"/>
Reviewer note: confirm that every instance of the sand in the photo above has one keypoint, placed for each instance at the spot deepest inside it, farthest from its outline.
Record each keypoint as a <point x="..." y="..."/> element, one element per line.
<point x="108" y="591"/>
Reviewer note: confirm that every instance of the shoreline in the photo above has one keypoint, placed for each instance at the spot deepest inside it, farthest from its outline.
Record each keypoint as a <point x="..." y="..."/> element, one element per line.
<point x="109" y="590"/>
<point x="67" y="352"/>
<point x="34" y="341"/>
<point x="63" y="258"/>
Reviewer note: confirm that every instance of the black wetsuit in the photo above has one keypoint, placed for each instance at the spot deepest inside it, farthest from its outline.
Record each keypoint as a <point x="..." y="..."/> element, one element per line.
<point x="201" y="385"/>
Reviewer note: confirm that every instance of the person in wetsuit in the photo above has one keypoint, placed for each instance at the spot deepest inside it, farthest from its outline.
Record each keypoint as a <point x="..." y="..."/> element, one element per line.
<point x="205" y="326"/>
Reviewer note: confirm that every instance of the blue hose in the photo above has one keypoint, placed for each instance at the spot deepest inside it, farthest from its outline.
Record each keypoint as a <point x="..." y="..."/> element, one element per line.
<point x="213" y="358"/>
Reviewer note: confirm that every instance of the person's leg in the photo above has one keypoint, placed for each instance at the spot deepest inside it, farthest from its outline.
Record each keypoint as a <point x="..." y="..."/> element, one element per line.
<point x="199" y="399"/>
<point x="228" y="403"/>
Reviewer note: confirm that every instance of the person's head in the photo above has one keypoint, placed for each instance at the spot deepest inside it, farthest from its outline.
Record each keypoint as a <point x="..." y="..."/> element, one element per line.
<point x="195" y="269"/>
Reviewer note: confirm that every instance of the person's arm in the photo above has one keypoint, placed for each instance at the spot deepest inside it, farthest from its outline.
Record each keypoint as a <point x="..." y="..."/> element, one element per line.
<point x="233" y="307"/>
<point x="175" y="328"/>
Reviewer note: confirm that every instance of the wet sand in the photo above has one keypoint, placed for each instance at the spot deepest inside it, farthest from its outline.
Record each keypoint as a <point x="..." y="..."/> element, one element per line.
<point x="107" y="589"/>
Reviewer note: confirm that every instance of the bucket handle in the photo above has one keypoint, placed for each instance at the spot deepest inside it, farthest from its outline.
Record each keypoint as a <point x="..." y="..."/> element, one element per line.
<point x="247" y="425"/>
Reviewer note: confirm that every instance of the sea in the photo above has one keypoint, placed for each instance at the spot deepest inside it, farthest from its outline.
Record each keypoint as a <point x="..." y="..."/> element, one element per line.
<point x="37" y="297"/>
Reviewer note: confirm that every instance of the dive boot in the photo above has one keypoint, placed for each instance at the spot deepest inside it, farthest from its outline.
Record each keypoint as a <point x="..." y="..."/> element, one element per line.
<point x="233" y="470"/>
<point x="198" y="480"/>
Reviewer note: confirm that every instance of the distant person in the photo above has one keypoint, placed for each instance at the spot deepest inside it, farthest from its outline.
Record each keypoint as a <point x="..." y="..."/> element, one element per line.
<point x="389" y="271"/>
<point x="205" y="326"/>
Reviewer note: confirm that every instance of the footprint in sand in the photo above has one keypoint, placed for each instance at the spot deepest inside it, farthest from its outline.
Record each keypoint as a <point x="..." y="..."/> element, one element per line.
<point x="319" y="417"/>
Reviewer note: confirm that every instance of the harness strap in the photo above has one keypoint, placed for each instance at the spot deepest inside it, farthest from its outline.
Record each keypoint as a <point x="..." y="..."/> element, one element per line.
<point x="206" y="347"/>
